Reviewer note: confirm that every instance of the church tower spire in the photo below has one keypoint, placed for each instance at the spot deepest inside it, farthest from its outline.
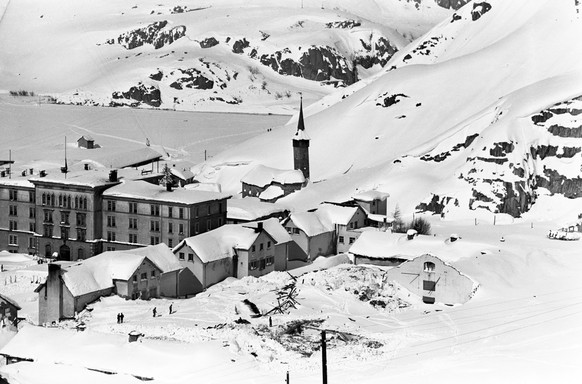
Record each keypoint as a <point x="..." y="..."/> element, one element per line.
<point x="301" y="145"/>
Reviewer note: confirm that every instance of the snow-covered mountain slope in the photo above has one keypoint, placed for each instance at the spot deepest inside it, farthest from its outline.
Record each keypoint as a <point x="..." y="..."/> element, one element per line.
<point x="212" y="55"/>
<point x="454" y="115"/>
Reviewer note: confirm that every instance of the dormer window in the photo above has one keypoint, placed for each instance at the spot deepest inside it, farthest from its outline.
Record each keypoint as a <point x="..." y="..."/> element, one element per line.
<point x="429" y="267"/>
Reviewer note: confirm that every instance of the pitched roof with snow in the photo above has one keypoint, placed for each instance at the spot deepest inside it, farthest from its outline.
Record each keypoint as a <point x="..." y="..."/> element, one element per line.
<point x="183" y="174"/>
<point x="274" y="229"/>
<point x="129" y="158"/>
<point x="10" y="300"/>
<point x="251" y="208"/>
<point x="93" y="178"/>
<point x="311" y="223"/>
<point x="262" y="176"/>
<point x="336" y="214"/>
<point x="221" y="242"/>
<point x="272" y="192"/>
<point x="157" y="193"/>
<point x="369" y="196"/>
<point x="161" y="255"/>
<point x="86" y="137"/>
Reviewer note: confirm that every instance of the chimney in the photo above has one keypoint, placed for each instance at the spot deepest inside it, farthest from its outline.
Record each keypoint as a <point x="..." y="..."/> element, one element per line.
<point x="3" y="174"/>
<point x="86" y="166"/>
<point x="23" y="173"/>
<point x="31" y="170"/>
<point x="259" y="227"/>
<point x="42" y="173"/>
<point x="113" y="175"/>
<point x="169" y="187"/>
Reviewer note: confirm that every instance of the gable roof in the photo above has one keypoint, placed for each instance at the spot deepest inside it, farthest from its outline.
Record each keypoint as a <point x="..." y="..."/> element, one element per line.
<point x="337" y="214"/>
<point x="86" y="137"/>
<point x="251" y="208"/>
<point x="129" y="158"/>
<point x="368" y="196"/>
<point x="161" y="255"/>
<point x="311" y="223"/>
<point x="10" y="301"/>
<point x="262" y="176"/>
<point x="273" y="228"/>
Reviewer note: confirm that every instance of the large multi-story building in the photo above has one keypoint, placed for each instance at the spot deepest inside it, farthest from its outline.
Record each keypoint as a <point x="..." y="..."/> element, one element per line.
<point x="81" y="214"/>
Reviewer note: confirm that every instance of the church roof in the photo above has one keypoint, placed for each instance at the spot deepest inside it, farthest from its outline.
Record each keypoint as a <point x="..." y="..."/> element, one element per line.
<point x="300" y="134"/>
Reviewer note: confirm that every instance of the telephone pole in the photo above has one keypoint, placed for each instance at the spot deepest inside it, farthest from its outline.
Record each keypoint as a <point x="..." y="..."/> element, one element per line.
<point x="323" y="357"/>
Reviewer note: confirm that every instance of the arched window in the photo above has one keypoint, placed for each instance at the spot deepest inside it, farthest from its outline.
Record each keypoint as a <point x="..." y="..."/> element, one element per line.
<point x="429" y="267"/>
<point x="69" y="201"/>
<point x="44" y="199"/>
<point x="85" y="203"/>
<point x="47" y="250"/>
<point x="53" y="200"/>
<point x="80" y="254"/>
<point x="76" y="202"/>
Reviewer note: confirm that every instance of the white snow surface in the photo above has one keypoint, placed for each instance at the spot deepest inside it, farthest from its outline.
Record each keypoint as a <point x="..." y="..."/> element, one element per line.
<point x="251" y="208"/>
<point x="262" y="176"/>
<point x="148" y="191"/>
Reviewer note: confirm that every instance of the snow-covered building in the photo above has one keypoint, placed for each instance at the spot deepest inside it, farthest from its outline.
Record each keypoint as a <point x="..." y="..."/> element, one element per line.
<point x="181" y="173"/>
<point x="252" y="209"/>
<point x="252" y="249"/>
<point x="140" y="274"/>
<point x="270" y="184"/>
<point x="434" y="280"/>
<point x="8" y="311"/>
<point x="86" y="141"/>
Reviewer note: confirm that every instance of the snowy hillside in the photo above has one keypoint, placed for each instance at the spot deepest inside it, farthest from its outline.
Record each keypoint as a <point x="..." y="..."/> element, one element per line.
<point x="212" y="55"/>
<point x="477" y="113"/>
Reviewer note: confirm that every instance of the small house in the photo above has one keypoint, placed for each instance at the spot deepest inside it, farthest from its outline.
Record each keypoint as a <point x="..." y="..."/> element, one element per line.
<point x="434" y="280"/>
<point x="313" y="234"/>
<point x="8" y="311"/>
<point x="270" y="184"/>
<point x="252" y="209"/>
<point x="86" y="142"/>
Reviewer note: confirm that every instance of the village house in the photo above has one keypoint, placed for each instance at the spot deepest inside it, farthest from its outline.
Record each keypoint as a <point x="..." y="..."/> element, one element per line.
<point x="433" y="280"/>
<point x="314" y="234"/>
<point x="69" y="288"/>
<point x="8" y="312"/>
<point x="252" y="209"/>
<point x="181" y="173"/>
<point x="234" y="251"/>
<point x="86" y="142"/>
<point x="137" y="213"/>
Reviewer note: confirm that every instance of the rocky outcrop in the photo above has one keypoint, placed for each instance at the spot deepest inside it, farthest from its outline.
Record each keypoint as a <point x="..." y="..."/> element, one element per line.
<point x="457" y="147"/>
<point x="239" y="46"/>
<point x="437" y="204"/>
<point x="479" y="9"/>
<point x="560" y="184"/>
<point x="376" y="53"/>
<point x="192" y="78"/>
<point x="452" y="4"/>
<point x="157" y="76"/>
<point x="501" y="149"/>
<point x="209" y="42"/>
<point x="317" y="63"/>
<point x="139" y="94"/>
<point x="344" y="24"/>
<point x="154" y="34"/>
<point x="388" y="101"/>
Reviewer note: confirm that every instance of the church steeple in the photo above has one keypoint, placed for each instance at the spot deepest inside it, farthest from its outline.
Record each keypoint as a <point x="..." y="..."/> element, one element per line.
<point x="301" y="145"/>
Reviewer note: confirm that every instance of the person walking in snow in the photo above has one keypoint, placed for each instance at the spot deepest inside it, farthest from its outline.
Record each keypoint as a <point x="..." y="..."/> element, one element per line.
<point x="171" y="308"/>
<point x="154" y="311"/>
<point x="118" y="318"/>
<point x="121" y="316"/>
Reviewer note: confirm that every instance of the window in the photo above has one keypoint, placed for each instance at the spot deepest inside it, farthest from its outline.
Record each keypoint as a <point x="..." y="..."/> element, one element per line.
<point x="81" y="219"/>
<point x="110" y="236"/>
<point x="261" y="247"/>
<point x="268" y="245"/>
<point x="12" y="240"/>
<point x="181" y="255"/>
<point x="155" y="226"/>
<point x="132" y="223"/>
<point x="180" y="213"/>
<point x="170" y="211"/>
<point x="111" y="205"/>
<point x="191" y="257"/>
<point x="352" y="225"/>
<point x="44" y="199"/>
<point x="13" y="195"/>
<point x="81" y="234"/>
<point x="65" y="218"/>
<point x="47" y="251"/>
<point x="154" y="240"/>
<point x="32" y="227"/>
<point x="220" y="221"/>
<point x="170" y="227"/>
<point x="181" y="229"/>
<point x="47" y="230"/>
<point x="208" y="225"/>
<point x="13" y="225"/>
<point x="135" y="278"/>
<point x="32" y="242"/>
<point x="196" y="228"/>
<point x="253" y="248"/>
<point x="133" y="238"/>
<point x="253" y="265"/>
<point x="289" y="230"/>
<point x="196" y="211"/>
<point x="111" y="221"/>
<point x="170" y="243"/>
<point x="31" y="197"/>
<point x="31" y="212"/>
<point x="80" y="253"/>
<point x="352" y="240"/>
<point x="153" y="274"/>
<point x="48" y="216"/>
<point x="13" y="210"/>
<point x="262" y="264"/>
<point x="144" y="276"/>
<point x="429" y="267"/>
<point x="270" y="260"/>
<point x="64" y="233"/>
<point x="296" y="231"/>
<point x="428" y="285"/>
<point x="154" y="210"/>
<point x="133" y="208"/>
<point x="341" y="239"/>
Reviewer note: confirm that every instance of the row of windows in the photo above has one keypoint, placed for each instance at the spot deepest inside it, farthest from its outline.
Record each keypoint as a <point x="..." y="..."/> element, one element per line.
<point x="261" y="246"/>
<point x="144" y="276"/>
<point x="13" y="211"/>
<point x="261" y="263"/>
<point x="182" y="256"/>
<point x="13" y="195"/>
<point x="341" y="240"/>
<point x="154" y="209"/>
<point x="81" y="218"/>
<point x="13" y="241"/>
<point x="64" y="201"/>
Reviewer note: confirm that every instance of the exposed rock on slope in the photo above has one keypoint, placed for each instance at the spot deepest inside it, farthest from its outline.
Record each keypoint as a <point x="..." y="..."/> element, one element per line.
<point x="155" y="34"/>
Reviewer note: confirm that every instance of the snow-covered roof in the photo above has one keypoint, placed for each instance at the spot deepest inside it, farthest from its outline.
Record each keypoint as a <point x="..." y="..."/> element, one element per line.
<point x="183" y="174"/>
<point x="147" y="191"/>
<point x="86" y="137"/>
<point x="221" y="242"/>
<point x="336" y="214"/>
<point x="311" y="223"/>
<point x="161" y="255"/>
<point x="301" y="135"/>
<point x="262" y="175"/>
<point x="16" y="181"/>
<point x="251" y="208"/>
<point x="369" y="196"/>
<point x="272" y="192"/>
<point x="380" y="218"/>
<point x="129" y="158"/>
<point x="10" y="300"/>
<point x="273" y="228"/>
<point x="92" y="178"/>
<point x="209" y="187"/>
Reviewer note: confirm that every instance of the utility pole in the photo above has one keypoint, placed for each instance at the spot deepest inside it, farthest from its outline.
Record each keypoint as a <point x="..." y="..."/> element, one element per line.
<point x="205" y="155"/>
<point x="287" y="381"/>
<point x="323" y="357"/>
